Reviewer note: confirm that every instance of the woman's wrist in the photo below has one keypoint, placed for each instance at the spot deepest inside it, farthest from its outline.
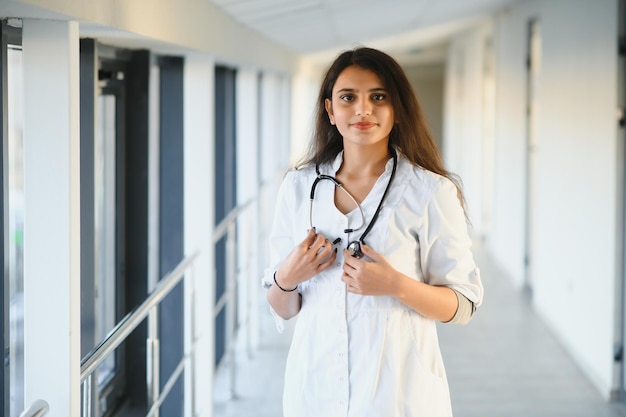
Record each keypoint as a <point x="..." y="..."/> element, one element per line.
<point x="284" y="289"/>
<point x="400" y="286"/>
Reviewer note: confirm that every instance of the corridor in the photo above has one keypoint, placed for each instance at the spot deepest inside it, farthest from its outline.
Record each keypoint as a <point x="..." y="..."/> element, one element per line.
<point x="505" y="363"/>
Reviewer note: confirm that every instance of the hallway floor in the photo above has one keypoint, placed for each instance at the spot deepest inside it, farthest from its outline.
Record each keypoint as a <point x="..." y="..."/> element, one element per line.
<point x="505" y="363"/>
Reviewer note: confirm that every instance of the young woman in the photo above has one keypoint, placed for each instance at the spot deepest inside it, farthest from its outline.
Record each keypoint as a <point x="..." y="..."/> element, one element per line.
<point x="369" y="247"/>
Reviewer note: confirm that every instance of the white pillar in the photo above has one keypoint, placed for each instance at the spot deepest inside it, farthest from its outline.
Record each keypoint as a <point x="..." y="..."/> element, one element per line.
<point x="200" y="219"/>
<point x="52" y="215"/>
<point x="248" y="186"/>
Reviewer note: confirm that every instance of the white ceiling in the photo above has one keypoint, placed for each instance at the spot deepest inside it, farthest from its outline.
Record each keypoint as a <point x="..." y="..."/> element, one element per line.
<point x="318" y="26"/>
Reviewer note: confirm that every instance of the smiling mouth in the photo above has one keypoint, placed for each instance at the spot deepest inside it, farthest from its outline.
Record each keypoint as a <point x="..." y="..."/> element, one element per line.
<point x="363" y="125"/>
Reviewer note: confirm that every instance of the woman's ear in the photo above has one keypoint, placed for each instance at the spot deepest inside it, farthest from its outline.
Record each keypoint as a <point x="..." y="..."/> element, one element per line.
<point x="329" y="109"/>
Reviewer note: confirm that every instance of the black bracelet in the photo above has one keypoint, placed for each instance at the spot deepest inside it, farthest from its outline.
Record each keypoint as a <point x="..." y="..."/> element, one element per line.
<point x="278" y="285"/>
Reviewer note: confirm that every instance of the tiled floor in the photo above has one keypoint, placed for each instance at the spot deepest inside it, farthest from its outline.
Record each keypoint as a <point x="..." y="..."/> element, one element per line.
<point x="505" y="363"/>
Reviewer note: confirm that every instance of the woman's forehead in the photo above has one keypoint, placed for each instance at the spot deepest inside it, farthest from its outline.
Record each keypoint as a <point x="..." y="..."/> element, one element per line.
<point x="354" y="77"/>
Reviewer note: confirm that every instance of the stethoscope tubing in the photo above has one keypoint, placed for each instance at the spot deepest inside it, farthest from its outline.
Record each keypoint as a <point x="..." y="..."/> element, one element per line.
<point x="355" y="246"/>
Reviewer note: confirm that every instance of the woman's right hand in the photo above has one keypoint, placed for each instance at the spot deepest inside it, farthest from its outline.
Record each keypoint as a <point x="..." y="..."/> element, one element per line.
<point x="310" y="257"/>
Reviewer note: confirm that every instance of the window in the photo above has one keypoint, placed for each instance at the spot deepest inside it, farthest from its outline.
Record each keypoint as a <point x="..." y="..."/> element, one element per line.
<point x="114" y="218"/>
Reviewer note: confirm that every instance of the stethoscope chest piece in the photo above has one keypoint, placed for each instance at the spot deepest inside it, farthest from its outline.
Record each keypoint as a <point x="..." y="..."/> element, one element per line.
<point x="355" y="249"/>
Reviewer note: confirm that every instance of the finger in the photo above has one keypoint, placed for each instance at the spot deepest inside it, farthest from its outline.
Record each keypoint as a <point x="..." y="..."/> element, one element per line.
<point x="314" y="245"/>
<point x="308" y="239"/>
<point x="320" y="244"/>
<point x="311" y="235"/>
<point x="349" y="260"/>
<point x="349" y="276"/>
<point x="352" y="286"/>
<point x="355" y="290"/>
<point x="370" y="253"/>
<point x="328" y="262"/>
<point x="325" y="253"/>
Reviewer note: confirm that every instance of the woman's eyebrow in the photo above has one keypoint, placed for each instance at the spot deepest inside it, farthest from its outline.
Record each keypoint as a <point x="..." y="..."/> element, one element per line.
<point x="354" y="90"/>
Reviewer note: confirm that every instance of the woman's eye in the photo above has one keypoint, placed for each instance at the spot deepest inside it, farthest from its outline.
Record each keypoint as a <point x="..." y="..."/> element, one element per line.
<point x="346" y="97"/>
<point x="378" y="97"/>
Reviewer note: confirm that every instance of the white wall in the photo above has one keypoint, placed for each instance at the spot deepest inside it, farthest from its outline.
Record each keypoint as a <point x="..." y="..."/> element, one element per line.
<point x="463" y="127"/>
<point x="507" y="239"/>
<point x="575" y="205"/>
<point x="576" y="218"/>
<point x="427" y="81"/>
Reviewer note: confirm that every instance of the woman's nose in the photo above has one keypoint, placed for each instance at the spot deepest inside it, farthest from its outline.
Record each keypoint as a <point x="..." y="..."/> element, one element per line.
<point x="363" y="108"/>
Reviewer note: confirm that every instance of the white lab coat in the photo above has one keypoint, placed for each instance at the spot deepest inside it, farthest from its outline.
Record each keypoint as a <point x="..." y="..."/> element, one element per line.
<point x="372" y="356"/>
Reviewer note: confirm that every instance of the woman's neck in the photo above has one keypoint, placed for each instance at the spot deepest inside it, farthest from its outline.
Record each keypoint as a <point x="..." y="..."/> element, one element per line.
<point x="364" y="161"/>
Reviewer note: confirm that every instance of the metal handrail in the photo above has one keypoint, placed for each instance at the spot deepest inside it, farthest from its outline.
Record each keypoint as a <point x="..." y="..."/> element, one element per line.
<point x="119" y="333"/>
<point x="37" y="409"/>
<point x="222" y="227"/>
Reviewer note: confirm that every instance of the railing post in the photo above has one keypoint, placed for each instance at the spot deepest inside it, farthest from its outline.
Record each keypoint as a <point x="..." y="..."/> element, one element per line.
<point x="86" y="404"/>
<point x="189" y="342"/>
<point x="152" y="358"/>
<point x="249" y="274"/>
<point x="231" y="305"/>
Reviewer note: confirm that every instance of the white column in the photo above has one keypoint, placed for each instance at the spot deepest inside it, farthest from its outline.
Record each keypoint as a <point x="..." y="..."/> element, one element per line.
<point x="248" y="187"/>
<point x="52" y="215"/>
<point x="200" y="219"/>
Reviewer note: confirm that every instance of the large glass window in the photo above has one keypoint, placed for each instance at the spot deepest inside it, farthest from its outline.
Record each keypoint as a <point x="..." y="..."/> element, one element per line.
<point x="108" y="222"/>
<point x="114" y="220"/>
<point x="102" y="208"/>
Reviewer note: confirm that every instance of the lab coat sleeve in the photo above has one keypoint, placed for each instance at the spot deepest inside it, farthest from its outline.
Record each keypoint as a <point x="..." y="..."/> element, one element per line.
<point x="445" y="245"/>
<point x="280" y="239"/>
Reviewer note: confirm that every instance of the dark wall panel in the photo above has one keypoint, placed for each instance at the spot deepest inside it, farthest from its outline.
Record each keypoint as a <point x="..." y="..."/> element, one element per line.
<point x="225" y="184"/>
<point x="171" y="206"/>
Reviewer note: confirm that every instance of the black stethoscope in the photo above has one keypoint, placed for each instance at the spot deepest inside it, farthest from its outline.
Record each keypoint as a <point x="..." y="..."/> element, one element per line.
<point x="354" y="247"/>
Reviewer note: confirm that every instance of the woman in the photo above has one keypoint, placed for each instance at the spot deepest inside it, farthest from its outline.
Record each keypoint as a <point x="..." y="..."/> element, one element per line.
<point x="369" y="248"/>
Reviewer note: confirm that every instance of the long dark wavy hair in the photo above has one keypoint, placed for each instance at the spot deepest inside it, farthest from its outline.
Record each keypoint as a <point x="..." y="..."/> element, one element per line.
<point x="410" y="134"/>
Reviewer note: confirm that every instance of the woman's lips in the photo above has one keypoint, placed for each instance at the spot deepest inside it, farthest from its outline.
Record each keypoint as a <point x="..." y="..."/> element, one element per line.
<point x="363" y="125"/>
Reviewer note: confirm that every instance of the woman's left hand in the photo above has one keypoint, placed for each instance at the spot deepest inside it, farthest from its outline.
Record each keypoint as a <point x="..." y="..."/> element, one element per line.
<point x="373" y="277"/>
<point x="377" y="277"/>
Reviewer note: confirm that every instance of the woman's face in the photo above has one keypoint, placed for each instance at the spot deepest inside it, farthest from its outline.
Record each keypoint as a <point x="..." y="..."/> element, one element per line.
<point x="360" y="107"/>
